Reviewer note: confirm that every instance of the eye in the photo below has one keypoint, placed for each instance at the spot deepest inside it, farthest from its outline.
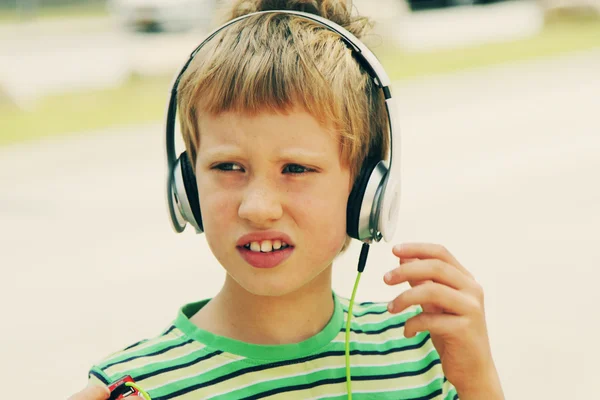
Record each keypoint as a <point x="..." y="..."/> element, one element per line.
<point x="227" y="167"/>
<point x="296" y="169"/>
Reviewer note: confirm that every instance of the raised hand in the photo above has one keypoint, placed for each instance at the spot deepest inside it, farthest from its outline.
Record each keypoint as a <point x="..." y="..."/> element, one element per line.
<point x="453" y="313"/>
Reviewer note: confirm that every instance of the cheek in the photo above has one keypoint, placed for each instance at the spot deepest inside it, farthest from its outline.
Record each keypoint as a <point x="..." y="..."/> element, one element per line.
<point x="324" y="219"/>
<point x="218" y="217"/>
<point x="336" y="234"/>
<point x="218" y="209"/>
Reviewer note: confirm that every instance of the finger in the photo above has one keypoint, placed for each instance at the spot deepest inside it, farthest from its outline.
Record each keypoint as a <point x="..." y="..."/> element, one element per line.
<point x="435" y="270"/>
<point x="92" y="392"/>
<point x="436" y="324"/>
<point x="407" y="260"/>
<point x="428" y="308"/>
<point x="428" y="251"/>
<point x="417" y="283"/>
<point x="431" y="293"/>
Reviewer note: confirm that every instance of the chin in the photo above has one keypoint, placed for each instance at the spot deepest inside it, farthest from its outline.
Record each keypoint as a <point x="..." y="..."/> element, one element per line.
<point x="271" y="287"/>
<point x="287" y="282"/>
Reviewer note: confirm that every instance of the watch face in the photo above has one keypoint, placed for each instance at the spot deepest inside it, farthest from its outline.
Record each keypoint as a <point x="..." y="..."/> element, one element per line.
<point x="119" y="389"/>
<point x="123" y="392"/>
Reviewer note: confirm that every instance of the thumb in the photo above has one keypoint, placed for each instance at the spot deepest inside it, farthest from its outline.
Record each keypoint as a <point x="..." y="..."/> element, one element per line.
<point x="93" y="391"/>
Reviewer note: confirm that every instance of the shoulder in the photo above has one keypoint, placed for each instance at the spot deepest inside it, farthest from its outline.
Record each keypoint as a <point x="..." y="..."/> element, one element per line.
<point x="153" y="356"/>
<point x="134" y="359"/>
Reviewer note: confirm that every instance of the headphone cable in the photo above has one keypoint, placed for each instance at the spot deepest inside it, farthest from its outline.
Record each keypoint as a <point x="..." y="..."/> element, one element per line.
<point x="364" y="251"/>
<point x="142" y="392"/>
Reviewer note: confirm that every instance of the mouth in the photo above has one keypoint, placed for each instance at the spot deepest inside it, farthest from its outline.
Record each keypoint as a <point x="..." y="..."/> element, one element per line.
<point x="265" y="253"/>
<point x="266" y="246"/>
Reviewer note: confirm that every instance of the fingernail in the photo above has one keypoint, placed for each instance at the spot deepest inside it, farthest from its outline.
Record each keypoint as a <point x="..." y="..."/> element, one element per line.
<point x="398" y="247"/>
<point x="388" y="277"/>
<point x="390" y="307"/>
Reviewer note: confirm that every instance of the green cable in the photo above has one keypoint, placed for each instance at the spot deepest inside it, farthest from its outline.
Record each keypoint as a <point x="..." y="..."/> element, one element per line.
<point x="361" y="267"/>
<point x="139" y="389"/>
<point x="348" y="376"/>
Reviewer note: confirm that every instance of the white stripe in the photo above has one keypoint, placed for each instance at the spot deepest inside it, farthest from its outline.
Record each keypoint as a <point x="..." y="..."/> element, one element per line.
<point x="387" y="321"/>
<point x="396" y="362"/>
<point x="340" y="338"/>
<point x="154" y="341"/>
<point x="174" y="358"/>
<point x="380" y="309"/>
<point x="437" y="377"/>
<point x="410" y="310"/>
<point x="279" y="377"/>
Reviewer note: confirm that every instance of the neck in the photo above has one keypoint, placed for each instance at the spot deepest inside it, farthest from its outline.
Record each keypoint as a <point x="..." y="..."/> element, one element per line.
<point x="269" y="320"/>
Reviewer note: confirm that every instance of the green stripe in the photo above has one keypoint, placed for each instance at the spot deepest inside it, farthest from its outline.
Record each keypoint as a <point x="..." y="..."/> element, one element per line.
<point x="390" y="319"/>
<point x="154" y="364"/>
<point x="199" y="378"/>
<point x="359" y="311"/>
<point x="277" y="383"/>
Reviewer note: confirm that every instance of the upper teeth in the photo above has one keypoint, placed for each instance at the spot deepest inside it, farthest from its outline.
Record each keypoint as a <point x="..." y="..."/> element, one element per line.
<point x="266" y="245"/>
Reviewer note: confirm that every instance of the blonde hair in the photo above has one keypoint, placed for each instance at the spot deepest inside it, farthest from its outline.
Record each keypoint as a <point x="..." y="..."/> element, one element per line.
<point x="276" y="62"/>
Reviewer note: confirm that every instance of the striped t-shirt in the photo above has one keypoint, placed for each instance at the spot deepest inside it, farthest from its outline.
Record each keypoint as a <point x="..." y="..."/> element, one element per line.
<point x="185" y="362"/>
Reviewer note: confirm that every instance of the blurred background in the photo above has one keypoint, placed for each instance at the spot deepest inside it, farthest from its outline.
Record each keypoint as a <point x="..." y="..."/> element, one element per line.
<point x="499" y="104"/>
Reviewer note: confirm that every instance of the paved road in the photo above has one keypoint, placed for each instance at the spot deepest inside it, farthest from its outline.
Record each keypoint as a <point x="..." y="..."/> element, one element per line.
<point x="500" y="165"/>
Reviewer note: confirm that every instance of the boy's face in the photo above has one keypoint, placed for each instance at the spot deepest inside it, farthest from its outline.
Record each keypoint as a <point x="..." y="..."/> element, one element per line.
<point x="272" y="174"/>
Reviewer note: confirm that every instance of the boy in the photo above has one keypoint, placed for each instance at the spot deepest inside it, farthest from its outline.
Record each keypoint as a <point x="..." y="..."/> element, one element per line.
<point x="278" y="118"/>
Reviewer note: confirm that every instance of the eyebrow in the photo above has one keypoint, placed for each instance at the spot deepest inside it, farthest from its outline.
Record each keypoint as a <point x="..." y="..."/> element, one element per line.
<point x="225" y="151"/>
<point x="221" y="151"/>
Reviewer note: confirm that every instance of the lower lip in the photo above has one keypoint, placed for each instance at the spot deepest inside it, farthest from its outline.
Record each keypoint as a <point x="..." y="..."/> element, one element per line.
<point x="265" y="260"/>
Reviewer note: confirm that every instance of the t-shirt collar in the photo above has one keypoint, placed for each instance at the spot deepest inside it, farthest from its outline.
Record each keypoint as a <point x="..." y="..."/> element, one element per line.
<point x="255" y="351"/>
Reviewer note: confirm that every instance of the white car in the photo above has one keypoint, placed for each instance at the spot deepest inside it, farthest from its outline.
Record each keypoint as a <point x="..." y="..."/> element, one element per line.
<point x="163" y="15"/>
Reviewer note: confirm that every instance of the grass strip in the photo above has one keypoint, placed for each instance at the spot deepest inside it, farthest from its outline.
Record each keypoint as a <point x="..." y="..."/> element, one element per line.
<point x="558" y="37"/>
<point x="92" y="9"/>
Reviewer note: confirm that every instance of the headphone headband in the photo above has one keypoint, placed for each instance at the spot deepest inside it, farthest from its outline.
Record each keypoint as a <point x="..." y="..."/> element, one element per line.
<point x="383" y="212"/>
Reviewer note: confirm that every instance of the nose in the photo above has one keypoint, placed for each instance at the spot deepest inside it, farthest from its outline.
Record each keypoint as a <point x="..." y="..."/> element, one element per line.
<point x="260" y="204"/>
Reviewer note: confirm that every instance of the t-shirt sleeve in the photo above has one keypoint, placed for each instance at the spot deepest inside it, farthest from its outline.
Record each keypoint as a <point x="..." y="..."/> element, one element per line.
<point x="97" y="376"/>
<point x="449" y="391"/>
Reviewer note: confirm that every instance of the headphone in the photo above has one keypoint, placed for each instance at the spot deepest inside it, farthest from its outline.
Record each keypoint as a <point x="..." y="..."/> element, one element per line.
<point x="372" y="209"/>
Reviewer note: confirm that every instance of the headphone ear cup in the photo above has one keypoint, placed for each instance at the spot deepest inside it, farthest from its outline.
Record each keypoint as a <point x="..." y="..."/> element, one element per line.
<point x="191" y="189"/>
<point x="355" y="200"/>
